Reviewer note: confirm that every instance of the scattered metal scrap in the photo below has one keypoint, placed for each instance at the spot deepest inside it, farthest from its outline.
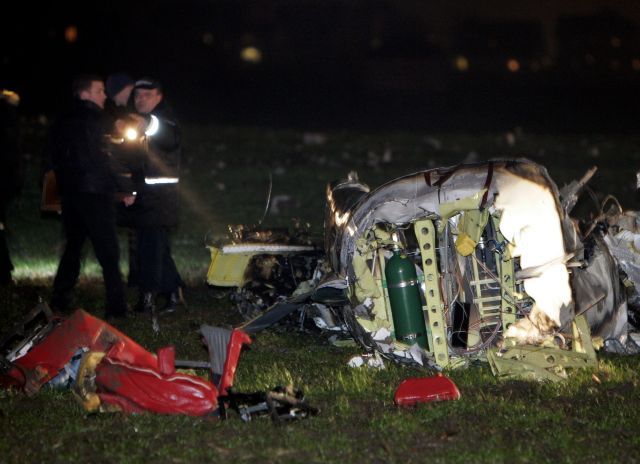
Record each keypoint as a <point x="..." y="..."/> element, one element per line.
<point x="281" y="404"/>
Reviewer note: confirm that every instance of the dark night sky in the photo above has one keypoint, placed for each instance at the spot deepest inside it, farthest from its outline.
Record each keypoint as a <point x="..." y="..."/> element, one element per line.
<point x="278" y="61"/>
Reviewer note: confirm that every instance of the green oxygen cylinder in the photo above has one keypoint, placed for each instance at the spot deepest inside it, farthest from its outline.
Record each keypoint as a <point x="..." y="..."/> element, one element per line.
<point x="404" y="297"/>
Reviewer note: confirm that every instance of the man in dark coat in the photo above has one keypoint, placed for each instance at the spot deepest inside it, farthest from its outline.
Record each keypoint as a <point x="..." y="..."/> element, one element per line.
<point x="87" y="186"/>
<point x="119" y="108"/>
<point x="10" y="171"/>
<point x="155" y="209"/>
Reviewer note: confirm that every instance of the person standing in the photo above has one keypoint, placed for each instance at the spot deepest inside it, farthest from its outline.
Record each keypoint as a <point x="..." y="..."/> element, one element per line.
<point x="10" y="172"/>
<point x="87" y="187"/>
<point x="119" y="107"/>
<point x="155" y="208"/>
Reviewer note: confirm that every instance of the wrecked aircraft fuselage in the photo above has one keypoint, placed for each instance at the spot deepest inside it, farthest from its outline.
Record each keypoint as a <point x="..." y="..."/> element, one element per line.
<point x="495" y="255"/>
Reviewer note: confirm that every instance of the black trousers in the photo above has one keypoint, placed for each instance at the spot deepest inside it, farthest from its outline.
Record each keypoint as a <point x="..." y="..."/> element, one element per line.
<point x="157" y="272"/>
<point x="90" y="216"/>
<point x="132" y="239"/>
<point x="5" y="260"/>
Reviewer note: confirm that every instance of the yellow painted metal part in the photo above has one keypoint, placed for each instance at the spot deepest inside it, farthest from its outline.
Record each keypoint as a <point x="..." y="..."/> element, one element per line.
<point x="370" y="282"/>
<point x="472" y="224"/>
<point x="227" y="270"/>
<point x="448" y="210"/>
<point x="582" y="341"/>
<point x="507" y="281"/>
<point x="544" y="363"/>
<point x="382" y="305"/>
<point x="437" y="328"/>
<point x="365" y="284"/>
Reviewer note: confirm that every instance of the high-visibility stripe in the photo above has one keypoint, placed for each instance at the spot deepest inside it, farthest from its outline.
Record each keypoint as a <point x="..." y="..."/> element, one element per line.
<point x="161" y="180"/>
<point x="153" y="127"/>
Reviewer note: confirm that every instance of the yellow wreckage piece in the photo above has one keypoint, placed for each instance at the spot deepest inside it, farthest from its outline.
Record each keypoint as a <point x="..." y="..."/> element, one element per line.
<point x="85" y="388"/>
<point x="229" y="263"/>
<point x="227" y="270"/>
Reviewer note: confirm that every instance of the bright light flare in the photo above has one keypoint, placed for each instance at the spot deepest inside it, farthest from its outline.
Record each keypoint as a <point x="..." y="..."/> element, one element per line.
<point x="131" y="134"/>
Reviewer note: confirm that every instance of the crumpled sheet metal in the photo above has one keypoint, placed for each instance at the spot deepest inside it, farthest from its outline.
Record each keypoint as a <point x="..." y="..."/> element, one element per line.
<point x="224" y="352"/>
<point x="417" y="195"/>
<point x="533" y="220"/>
<point x="81" y="330"/>
<point x="117" y="374"/>
<point x="137" y="389"/>
<point x="545" y="363"/>
<point x="624" y="246"/>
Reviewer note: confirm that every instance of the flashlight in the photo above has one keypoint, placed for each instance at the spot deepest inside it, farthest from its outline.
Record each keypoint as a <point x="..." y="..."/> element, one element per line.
<point x="131" y="134"/>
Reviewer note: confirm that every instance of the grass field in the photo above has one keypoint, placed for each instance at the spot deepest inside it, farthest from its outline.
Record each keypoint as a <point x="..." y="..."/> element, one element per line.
<point x="593" y="417"/>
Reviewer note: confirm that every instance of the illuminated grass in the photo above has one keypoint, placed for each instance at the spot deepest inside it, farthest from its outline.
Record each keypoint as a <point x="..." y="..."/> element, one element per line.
<point x="587" y="419"/>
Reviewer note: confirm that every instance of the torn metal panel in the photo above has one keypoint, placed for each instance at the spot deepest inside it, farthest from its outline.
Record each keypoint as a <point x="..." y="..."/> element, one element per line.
<point x="227" y="270"/>
<point x="545" y="362"/>
<point x="622" y="240"/>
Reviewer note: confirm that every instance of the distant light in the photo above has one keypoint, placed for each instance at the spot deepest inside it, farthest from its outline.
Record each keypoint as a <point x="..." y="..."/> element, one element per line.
<point x="615" y="42"/>
<point x="71" y="34"/>
<point x="251" y="55"/>
<point x="207" y="38"/>
<point x="10" y="97"/>
<point x="376" y="43"/>
<point x="513" y="65"/>
<point x="635" y="64"/>
<point x="589" y="59"/>
<point x="461" y="63"/>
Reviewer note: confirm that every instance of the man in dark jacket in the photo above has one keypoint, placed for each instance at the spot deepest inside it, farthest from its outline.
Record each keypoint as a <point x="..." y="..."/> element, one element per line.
<point x="87" y="188"/>
<point x="155" y="209"/>
<point x="119" y="109"/>
<point x="10" y="172"/>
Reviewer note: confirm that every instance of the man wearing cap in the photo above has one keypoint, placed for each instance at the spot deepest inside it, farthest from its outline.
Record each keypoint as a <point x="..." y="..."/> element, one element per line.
<point x="87" y="185"/>
<point x="155" y="209"/>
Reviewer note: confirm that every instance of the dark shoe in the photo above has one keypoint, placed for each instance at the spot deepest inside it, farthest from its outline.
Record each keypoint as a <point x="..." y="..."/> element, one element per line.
<point x="172" y="303"/>
<point x="146" y="303"/>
